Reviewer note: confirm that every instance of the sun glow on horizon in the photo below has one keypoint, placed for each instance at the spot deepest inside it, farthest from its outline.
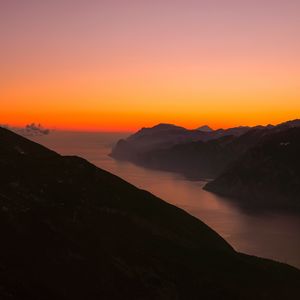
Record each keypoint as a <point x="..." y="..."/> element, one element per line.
<point x="112" y="66"/>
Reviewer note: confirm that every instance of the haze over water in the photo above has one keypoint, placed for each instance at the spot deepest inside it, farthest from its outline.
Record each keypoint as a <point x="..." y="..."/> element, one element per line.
<point x="274" y="236"/>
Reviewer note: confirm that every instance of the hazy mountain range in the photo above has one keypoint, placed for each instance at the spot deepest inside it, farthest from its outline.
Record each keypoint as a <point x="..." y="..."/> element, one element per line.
<point x="70" y="230"/>
<point x="227" y="155"/>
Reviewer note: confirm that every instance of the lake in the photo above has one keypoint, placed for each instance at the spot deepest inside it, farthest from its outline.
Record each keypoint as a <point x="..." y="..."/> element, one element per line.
<point x="274" y="236"/>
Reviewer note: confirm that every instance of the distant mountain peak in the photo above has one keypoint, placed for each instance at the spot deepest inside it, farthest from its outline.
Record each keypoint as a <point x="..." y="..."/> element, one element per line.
<point x="161" y="127"/>
<point x="205" y="128"/>
<point x="166" y="126"/>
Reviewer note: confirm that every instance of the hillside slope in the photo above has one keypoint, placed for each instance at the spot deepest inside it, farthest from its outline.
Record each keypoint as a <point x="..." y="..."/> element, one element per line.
<point x="268" y="175"/>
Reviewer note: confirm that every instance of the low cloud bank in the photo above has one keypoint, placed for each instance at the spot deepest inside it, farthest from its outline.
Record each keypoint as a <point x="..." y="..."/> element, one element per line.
<point x="32" y="129"/>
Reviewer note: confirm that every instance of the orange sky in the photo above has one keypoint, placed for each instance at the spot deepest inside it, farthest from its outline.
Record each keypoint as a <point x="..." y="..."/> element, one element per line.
<point x="120" y="65"/>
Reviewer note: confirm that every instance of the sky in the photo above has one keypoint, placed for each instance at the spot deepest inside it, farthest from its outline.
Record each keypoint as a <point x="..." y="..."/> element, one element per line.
<point x="118" y="65"/>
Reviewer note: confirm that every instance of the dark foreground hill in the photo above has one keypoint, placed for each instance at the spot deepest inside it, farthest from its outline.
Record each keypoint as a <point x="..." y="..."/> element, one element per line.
<point x="70" y="230"/>
<point x="267" y="176"/>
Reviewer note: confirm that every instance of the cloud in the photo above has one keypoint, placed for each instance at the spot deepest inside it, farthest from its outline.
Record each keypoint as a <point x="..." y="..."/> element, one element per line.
<point x="36" y="129"/>
<point x="32" y="129"/>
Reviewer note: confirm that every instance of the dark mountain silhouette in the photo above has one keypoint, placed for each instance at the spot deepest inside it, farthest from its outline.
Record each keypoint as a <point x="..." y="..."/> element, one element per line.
<point x="160" y="136"/>
<point x="205" y="128"/>
<point x="70" y="230"/>
<point x="290" y="124"/>
<point x="267" y="175"/>
<point x="202" y="159"/>
<point x="164" y="136"/>
<point x="235" y="131"/>
<point x="207" y="156"/>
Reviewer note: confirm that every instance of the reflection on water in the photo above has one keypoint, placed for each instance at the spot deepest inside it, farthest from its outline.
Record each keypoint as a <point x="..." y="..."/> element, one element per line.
<point x="274" y="236"/>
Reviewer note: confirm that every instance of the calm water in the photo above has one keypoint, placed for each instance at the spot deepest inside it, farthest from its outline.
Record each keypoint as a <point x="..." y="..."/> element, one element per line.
<point x="274" y="236"/>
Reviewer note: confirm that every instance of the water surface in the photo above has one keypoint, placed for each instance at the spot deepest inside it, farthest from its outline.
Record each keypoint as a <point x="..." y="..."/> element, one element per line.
<point x="274" y="236"/>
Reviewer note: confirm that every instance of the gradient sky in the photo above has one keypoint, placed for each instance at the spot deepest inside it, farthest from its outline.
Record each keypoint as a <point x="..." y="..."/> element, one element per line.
<point x="121" y="65"/>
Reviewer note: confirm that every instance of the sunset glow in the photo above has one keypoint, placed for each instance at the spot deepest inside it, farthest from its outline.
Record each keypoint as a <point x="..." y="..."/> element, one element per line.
<point x="119" y="65"/>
